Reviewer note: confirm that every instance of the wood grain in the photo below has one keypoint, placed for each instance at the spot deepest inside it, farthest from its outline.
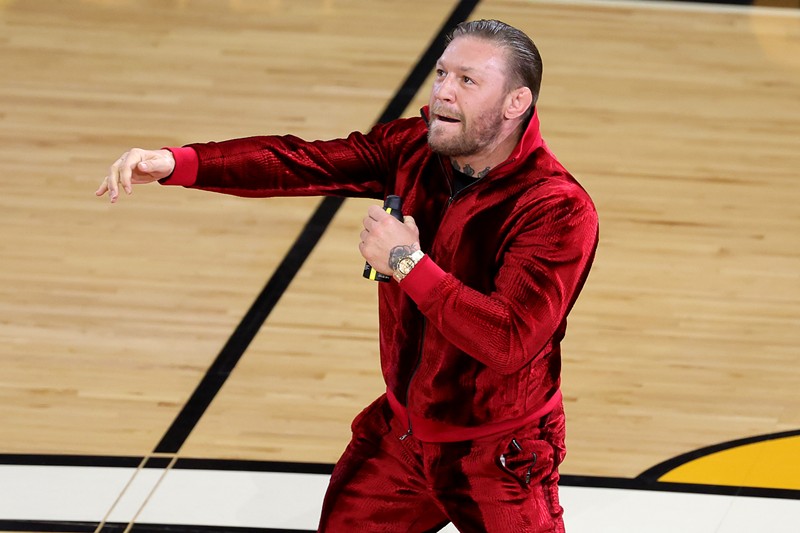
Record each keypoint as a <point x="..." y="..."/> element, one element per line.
<point x="682" y="122"/>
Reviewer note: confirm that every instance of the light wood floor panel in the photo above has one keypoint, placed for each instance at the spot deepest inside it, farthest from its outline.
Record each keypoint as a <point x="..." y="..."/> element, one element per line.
<point x="311" y="368"/>
<point x="109" y="316"/>
<point x="683" y="123"/>
<point x="314" y="364"/>
<point x="686" y="335"/>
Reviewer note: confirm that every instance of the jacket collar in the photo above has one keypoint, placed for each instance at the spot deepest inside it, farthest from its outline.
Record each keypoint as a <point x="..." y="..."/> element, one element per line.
<point x="531" y="141"/>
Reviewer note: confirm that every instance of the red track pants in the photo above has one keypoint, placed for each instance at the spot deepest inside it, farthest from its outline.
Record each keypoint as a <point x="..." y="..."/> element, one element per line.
<point x="505" y="483"/>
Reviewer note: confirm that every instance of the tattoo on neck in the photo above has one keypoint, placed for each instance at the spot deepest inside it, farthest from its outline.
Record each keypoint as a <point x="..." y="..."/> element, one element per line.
<point x="468" y="170"/>
<point x="399" y="252"/>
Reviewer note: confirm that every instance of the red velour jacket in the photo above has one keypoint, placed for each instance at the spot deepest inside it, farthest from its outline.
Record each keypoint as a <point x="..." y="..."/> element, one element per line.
<point x="470" y="339"/>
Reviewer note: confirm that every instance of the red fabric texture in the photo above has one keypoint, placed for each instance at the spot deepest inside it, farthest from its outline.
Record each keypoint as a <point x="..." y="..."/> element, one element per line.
<point x="431" y="431"/>
<point x="507" y="483"/>
<point x="185" y="171"/>
<point x="472" y="335"/>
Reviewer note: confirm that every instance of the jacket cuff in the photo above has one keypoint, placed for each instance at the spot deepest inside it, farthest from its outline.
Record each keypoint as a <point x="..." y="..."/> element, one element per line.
<point x="422" y="280"/>
<point x="186" y="166"/>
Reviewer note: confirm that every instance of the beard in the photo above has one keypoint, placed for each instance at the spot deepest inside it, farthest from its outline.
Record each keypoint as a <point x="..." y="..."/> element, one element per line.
<point x="473" y="135"/>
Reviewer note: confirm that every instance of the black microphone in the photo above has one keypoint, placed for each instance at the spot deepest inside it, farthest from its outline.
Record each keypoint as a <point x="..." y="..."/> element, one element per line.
<point x="392" y="205"/>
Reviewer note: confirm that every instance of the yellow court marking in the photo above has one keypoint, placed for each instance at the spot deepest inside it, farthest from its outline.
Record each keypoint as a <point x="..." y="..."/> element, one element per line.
<point x="767" y="464"/>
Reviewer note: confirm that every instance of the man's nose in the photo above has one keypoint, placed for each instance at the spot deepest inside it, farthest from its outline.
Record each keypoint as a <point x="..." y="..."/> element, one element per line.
<point x="444" y="90"/>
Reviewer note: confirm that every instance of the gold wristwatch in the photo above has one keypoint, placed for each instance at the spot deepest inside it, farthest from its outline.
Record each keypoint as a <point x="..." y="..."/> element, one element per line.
<point x="405" y="264"/>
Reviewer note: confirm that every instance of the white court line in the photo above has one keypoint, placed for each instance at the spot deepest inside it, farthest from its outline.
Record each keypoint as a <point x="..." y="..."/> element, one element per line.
<point x="144" y="497"/>
<point x="82" y="494"/>
<point x="223" y="498"/>
<point x="132" y="501"/>
<point x="119" y="497"/>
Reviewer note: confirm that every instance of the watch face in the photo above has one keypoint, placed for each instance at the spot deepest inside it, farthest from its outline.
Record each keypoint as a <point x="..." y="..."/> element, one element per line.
<point x="405" y="265"/>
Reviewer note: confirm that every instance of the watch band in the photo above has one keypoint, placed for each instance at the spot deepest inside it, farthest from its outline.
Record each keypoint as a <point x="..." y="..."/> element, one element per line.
<point x="406" y="264"/>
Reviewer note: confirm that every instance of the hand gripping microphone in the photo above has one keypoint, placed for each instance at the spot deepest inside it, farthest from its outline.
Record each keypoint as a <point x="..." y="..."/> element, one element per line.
<point x="392" y="205"/>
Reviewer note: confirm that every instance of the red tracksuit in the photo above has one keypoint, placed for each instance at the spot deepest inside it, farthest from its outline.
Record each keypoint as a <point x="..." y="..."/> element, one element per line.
<point x="471" y="428"/>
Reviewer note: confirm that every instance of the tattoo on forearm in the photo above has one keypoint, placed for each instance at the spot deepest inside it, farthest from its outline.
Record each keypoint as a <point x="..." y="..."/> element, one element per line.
<point x="399" y="252"/>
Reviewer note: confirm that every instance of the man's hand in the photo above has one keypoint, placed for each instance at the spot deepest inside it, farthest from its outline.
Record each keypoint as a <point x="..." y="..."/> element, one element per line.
<point x="136" y="166"/>
<point x="383" y="234"/>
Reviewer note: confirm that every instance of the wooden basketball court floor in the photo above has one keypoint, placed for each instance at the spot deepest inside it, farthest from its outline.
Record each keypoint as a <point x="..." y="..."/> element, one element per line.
<point x="191" y="362"/>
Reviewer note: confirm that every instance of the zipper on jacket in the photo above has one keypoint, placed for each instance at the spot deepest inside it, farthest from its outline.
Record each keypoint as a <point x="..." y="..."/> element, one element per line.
<point x="410" y="431"/>
<point x="453" y="194"/>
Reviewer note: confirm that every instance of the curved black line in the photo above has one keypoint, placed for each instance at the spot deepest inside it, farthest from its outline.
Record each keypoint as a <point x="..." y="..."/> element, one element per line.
<point x="665" y="486"/>
<point x="654" y="473"/>
<point x="237" y="344"/>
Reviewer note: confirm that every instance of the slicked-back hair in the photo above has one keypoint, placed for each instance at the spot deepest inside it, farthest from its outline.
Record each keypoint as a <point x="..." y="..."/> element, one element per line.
<point x="524" y="61"/>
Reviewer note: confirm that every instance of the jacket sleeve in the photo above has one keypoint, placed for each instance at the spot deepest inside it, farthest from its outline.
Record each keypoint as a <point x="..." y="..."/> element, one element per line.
<point x="541" y="272"/>
<point x="289" y="166"/>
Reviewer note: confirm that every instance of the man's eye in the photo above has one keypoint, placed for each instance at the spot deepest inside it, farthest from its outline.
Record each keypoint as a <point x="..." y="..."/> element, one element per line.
<point x="468" y="80"/>
<point x="439" y="72"/>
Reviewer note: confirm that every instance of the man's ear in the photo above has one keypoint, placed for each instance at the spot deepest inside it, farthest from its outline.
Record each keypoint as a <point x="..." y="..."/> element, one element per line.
<point x="518" y="102"/>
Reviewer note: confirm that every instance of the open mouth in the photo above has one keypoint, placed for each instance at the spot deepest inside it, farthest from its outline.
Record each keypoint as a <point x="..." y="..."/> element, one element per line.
<point x="447" y="119"/>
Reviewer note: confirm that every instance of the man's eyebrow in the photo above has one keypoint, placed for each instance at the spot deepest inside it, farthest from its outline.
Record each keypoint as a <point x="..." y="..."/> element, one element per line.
<point x="462" y="68"/>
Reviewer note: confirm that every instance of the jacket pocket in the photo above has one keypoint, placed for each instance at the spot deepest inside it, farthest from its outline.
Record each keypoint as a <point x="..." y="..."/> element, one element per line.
<point x="528" y="461"/>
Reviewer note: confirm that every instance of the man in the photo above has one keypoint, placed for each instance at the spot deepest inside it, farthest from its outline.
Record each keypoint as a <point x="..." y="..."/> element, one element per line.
<point x="496" y="245"/>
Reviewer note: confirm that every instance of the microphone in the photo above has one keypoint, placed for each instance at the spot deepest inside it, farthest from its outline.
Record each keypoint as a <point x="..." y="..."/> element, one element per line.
<point x="392" y="205"/>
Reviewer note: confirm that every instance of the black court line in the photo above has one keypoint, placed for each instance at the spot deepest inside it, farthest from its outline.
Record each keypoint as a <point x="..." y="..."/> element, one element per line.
<point x="41" y="526"/>
<point x="49" y="526"/>
<point x="566" y="481"/>
<point x="686" y="488"/>
<point x="245" y="332"/>
<point x="70" y="460"/>
<point x="638" y="483"/>
<point x="655" y="472"/>
<point x="169" y="528"/>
